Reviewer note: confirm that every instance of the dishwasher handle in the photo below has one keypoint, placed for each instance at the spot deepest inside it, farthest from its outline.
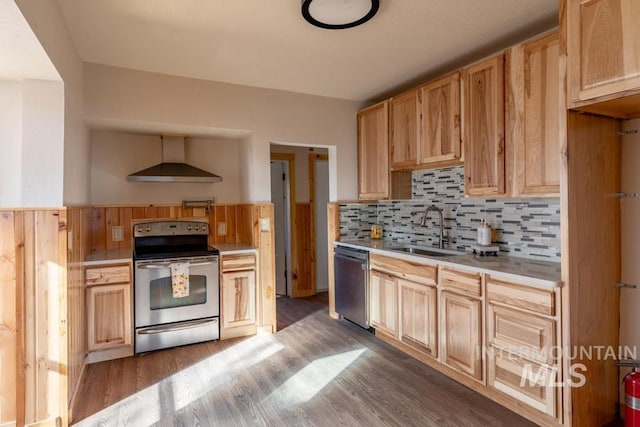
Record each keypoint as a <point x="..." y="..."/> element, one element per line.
<point x="351" y="254"/>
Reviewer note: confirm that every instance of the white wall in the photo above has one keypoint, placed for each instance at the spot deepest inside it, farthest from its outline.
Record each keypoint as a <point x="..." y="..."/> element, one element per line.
<point x="10" y="143"/>
<point x="47" y="23"/>
<point x="31" y="140"/>
<point x="42" y="143"/>
<point x="114" y="155"/>
<point x="116" y="97"/>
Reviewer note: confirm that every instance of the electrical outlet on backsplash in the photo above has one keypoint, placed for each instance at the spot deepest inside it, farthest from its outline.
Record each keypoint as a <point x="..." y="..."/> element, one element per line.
<point x="528" y="228"/>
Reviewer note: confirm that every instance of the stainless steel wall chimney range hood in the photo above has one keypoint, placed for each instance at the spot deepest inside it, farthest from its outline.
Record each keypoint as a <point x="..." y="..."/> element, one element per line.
<point x="173" y="168"/>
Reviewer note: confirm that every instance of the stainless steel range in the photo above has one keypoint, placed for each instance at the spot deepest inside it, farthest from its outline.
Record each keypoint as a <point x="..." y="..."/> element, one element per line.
<point x="171" y="310"/>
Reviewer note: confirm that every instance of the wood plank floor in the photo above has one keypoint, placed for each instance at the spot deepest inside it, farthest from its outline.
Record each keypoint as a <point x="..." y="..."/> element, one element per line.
<point x="315" y="371"/>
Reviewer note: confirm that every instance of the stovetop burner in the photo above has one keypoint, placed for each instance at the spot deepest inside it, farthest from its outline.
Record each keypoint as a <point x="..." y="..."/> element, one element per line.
<point x="171" y="239"/>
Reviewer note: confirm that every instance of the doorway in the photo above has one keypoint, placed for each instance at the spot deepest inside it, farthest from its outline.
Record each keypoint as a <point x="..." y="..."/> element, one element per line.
<point x="300" y="182"/>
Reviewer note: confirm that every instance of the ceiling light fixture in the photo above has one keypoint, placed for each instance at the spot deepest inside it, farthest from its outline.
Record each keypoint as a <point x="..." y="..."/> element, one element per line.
<point x="339" y="14"/>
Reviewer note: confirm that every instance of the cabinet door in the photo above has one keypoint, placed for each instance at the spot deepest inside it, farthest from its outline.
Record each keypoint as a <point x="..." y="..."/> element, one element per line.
<point x="238" y="298"/>
<point x="418" y="316"/>
<point x="530" y="383"/>
<point x="462" y="324"/>
<point x="440" y="138"/>
<point x="603" y="47"/>
<point x="484" y="140"/>
<point x="405" y="129"/>
<point x="109" y="316"/>
<point x="535" y="79"/>
<point x="373" y="153"/>
<point x="384" y="302"/>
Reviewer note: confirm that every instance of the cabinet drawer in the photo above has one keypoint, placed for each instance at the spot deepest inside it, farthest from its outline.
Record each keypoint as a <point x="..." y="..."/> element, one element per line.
<point x="517" y="295"/>
<point x="525" y="334"/>
<point x="238" y="262"/>
<point x="467" y="282"/>
<point x="415" y="272"/>
<point x="526" y="381"/>
<point x="107" y="275"/>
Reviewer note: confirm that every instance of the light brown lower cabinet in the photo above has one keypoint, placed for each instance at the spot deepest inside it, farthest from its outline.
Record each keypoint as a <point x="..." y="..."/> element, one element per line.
<point x="418" y="317"/>
<point x="109" y="312"/>
<point x="461" y="324"/>
<point x="522" y="339"/>
<point x="238" y="295"/>
<point x="109" y="316"/>
<point x="384" y="302"/>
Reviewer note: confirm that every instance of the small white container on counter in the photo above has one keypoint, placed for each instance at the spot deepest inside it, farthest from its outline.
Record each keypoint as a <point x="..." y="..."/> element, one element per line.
<point x="484" y="234"/>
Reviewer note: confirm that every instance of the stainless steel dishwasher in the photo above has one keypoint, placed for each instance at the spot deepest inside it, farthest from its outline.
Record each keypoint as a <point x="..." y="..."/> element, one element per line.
<point x="351" y="269"/>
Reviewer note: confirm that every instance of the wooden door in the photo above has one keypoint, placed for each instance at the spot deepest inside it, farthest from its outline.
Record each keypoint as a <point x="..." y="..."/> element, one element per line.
<point x="603" y="47"/>
<point x="109" y="316"/>
<point x="462" y="335"/>
<point x="440" y="136"/>
<point x="484" y="134"/>
<point x="384" y="302"/>
<point x="373" y="152"/>
<point x="404" y="119"/>
<point x="535" y="84"/>
<point x="238" y="298"/>
<point x="418" y="317"/>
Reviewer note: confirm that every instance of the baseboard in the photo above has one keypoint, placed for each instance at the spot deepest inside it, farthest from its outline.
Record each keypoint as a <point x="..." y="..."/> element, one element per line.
<point x="114" y="353"/>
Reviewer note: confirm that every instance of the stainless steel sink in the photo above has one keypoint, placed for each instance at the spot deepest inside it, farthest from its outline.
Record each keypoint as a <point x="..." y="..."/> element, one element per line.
<point x="425" y="252"/>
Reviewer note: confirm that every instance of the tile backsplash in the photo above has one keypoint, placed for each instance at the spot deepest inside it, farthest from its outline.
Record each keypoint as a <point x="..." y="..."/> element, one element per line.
<point x="522" y="227"/>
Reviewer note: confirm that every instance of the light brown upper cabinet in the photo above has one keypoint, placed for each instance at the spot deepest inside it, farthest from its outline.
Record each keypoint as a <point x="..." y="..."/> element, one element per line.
<point x="373" y="152"/>
<point x="404" y="122"/>
<point x="484" y="128"/>
<point x="440" y="137"/>
<point x="534" y="121"/>
<point x="603" y="48"/>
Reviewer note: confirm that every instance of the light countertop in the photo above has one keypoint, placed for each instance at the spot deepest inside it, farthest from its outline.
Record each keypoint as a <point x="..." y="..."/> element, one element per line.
<point x="234" y="248"/>
<point x="109" y="257"/>
<point x="543" y="273"/>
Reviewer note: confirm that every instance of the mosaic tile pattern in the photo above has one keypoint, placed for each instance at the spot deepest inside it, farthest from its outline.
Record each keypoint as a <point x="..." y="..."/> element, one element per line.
<point x="528" y="228"/>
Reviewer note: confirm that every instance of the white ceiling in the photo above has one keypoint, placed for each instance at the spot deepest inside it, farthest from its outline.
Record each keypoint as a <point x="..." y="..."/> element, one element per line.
<point x="267" y="43"/>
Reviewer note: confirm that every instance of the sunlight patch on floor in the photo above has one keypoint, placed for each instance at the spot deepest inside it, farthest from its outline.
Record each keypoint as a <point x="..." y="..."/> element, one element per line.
<point x="181" y="389"/>
<point x="311" y="379"/>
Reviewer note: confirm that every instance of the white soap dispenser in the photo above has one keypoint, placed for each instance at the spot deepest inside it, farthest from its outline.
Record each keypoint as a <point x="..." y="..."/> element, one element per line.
<point x="484" y="233"/>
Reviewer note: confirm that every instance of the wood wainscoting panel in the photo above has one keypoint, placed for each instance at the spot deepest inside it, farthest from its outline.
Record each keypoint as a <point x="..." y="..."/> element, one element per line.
<point x="333" y="235"/>
<point x="303" y="273"/>
<point x="78" y="222"/>
<point x="237" y="219"/>
<point x="8" y="319"/>
<point x="33" y="316"/>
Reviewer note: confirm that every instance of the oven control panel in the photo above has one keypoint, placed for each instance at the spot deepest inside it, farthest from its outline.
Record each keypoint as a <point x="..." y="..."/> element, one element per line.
<point x="170" y="228"/>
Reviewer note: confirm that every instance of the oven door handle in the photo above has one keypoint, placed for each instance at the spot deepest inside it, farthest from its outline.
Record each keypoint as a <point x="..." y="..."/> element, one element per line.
<point x="175" y="327"/>
<point x="198" y="264"/>
<point x="167" y="264"/>
<point x="152" y="266"/>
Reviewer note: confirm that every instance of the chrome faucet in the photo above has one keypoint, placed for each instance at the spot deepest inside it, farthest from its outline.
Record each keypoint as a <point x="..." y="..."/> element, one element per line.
<point x="424" y="222"/>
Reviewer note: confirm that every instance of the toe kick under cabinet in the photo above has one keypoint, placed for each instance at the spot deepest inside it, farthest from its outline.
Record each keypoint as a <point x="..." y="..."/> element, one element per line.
<point x="109" y="311"/>
<point x="238" y="295"/>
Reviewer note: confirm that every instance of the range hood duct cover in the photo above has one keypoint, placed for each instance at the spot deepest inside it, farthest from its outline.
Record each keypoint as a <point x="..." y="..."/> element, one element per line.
<point x="173" y="168"/>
